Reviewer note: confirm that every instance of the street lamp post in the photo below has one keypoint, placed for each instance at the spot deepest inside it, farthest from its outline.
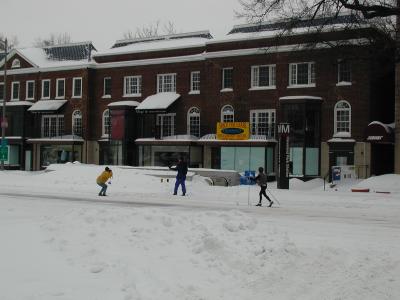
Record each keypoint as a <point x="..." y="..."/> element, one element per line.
<point x="3" y="123"/>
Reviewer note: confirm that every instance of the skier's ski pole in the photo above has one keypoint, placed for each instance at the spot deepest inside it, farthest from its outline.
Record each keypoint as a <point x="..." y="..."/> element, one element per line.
<point x="274" y="197"/>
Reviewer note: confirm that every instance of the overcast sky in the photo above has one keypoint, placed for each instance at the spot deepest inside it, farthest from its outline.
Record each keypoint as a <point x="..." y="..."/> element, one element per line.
<point x="103" y="21"/>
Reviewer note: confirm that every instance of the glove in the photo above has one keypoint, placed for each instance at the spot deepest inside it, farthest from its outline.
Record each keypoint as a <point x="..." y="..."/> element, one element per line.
<point x="109" y="182"/>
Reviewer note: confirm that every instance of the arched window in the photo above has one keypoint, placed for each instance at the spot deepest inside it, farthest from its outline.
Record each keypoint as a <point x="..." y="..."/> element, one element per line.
<point x="77" y="123"/>
<point x="193" y="121"/>
<point x="16" y="63"/>
<point x="227" y="114"/>
<point x="106" y="122"/>
<point x="343" y="117"/>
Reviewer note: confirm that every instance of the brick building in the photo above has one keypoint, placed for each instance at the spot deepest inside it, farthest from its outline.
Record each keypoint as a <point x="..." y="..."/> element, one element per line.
<point x="147" y="101"/>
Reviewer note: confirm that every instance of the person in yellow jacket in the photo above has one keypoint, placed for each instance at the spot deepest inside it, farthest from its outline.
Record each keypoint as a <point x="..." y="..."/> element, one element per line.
<point x="102" y="180"/>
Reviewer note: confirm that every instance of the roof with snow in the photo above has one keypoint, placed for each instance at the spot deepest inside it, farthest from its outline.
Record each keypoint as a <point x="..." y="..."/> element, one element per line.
<point x="72" y="54"/>
<point x="160" y="43"/>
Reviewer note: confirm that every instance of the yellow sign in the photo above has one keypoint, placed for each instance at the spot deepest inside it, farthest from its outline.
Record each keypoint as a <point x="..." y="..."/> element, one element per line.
<point x="233" y="131"/>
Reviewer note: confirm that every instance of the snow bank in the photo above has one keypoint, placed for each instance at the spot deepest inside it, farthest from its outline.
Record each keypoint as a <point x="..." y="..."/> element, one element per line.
<point x="383" y="183"/>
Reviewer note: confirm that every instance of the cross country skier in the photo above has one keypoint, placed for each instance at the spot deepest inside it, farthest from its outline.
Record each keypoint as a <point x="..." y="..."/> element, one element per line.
<point x="182" y="169"/>
<point x="261" y="180"/>
<point x="102" y="180"/>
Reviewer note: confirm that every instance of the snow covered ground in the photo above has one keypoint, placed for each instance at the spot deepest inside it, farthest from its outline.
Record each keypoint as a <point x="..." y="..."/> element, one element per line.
<point x="59" y="240"/>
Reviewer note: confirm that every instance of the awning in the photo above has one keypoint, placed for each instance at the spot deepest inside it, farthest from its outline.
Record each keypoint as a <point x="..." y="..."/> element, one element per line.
<point x="47" y="106"/>
<point x="300" y="98"/>
<point x="124" y="104"/>
<point x="57" y="140"/>
<point x="378" y="132"/>
<point x="16" y="103"/>
<point x="157" y="103"/>
<point x="255" y="140"/>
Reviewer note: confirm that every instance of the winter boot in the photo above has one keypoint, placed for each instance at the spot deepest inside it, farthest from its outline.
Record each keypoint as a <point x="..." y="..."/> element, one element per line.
<point x="270" y="203"/>
<point x="259" y="204"/>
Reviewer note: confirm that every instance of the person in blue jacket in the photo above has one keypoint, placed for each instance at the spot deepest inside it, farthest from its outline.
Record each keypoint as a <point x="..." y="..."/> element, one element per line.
<point x="182" y="169"/>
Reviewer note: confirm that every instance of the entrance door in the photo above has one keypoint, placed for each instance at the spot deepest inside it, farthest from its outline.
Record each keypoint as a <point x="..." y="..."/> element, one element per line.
<point x="28" y="160"/>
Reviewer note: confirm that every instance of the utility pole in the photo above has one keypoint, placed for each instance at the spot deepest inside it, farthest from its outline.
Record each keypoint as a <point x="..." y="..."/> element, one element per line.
<point x="3" y="120"/>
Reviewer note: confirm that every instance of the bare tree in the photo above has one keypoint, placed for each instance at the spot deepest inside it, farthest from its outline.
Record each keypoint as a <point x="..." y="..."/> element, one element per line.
<point x="385" y="14"/>
<point x="53" y="39"/>
<point x="151" y="30"/>
<point x="12" y="42"/>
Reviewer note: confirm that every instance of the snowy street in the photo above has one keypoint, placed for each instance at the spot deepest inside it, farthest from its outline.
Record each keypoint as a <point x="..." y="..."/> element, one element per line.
<point x="61" y="241"/>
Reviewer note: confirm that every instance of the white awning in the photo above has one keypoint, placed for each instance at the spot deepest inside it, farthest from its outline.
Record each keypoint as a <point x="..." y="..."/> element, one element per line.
<point x="157" y="102"/>
<point x="124" y="103"/>
<point x="16" y="103"/>
<point x="47" y="105"/>
<point x="305" y="97"/>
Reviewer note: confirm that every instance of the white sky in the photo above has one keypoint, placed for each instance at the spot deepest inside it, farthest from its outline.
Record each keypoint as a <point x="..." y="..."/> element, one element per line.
<point x="103" y="21"/>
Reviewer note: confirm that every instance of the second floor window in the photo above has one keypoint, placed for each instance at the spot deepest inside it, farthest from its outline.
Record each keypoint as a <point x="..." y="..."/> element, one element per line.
<point x="344" y="71"/>
<point x="52" y="125"/>
<point x="166" y="124"/>
<point x="132" y="86"/>
<point x="263" y="76"/>
<point x="302" y="74"/>
<point x="342" y="117"/>
<point x="262" y="122"/>
<point x="193" y="122"/>
<point x="227" y="79"/>
<point x="46" y="89"/>
<point x="60" y="88"/>
<point x="1" y="91"/>
<point x="106" y="123"/>
<point x="166" y="83"/>
<point x="227" y="114"/>
<point x="195" y="82"/>
<point x="77" y="87"/>
<point x="107" y="86"/>
<point x="77" y="123"/>
<point x="30" y="90"/>
<point x="15" y="90"/>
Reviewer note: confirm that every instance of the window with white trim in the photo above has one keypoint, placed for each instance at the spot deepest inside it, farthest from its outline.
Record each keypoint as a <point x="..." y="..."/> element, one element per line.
<point x="77" y="87"/>
<point x="195" y="82"/>
<point x="107" y="87"/>
<point x="16" y="63"/>
<point x="77" y="123"/>
<point x="262" y="122"/>
<point x="60" y="88"/>
<point x="263" y="76"/>
<point x="166" y="83"/>
<point x="166" y="124"/>
<point x="193" y="121"/>
<point x="15" y="90"/>
<point x="342" y="117"/>
<point x="1" y="90"/>
<point x="344" y="71"/>
<point x="30" y="90"/>
<point x="106" y="124"/>
<point x="52" y="125"/>
<point x="132" y="86"/>
<point x="302" y="74"/>
<point x="46" y="89"/>
<point x="227" y="79"/>
<point x="227" y="114"/>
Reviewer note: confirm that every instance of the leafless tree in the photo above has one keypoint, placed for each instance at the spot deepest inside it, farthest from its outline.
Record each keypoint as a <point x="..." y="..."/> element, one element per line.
<point x="12" y="42"/>
<point x="53" y="39"/>
<point x="151" y="30"/>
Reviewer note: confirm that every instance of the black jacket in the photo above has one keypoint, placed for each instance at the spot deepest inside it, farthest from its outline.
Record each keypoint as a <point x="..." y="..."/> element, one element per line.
<point x="182" y="169"/>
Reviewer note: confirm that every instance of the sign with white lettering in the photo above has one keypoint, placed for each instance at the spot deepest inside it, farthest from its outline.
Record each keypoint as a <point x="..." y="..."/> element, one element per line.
<point x="283" y="156"/>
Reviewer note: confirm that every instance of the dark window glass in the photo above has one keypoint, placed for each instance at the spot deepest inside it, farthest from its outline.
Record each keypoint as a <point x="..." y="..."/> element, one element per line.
<point x="2" y="91"/>
<point x="227" y="78"/>
<point x="107" y="86"/>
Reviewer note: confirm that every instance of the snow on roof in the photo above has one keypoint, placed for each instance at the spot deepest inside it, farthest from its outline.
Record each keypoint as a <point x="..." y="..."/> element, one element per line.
<point x="124" y="103"/>
<point x="388" y="127"/>
<point x="61" y="138"/>
<point x="253" y="138"/>
<point x="169" y="43"/>
<point x="47" y="105"/>
<point x="299" y="98"/>
<point x="17" y="103"/>
<point x="158" y="101"/>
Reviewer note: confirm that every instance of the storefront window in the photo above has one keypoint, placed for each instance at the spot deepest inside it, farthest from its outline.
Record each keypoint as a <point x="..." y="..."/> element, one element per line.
<point x="246" y="158"/>
<point x="56" y="154"/>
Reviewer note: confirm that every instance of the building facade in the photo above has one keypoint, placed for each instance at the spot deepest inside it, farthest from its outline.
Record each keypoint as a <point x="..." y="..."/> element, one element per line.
<point x="147" y="101"/>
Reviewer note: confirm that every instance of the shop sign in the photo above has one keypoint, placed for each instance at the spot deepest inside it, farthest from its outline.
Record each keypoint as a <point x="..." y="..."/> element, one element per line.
<point x="233" y="131"/>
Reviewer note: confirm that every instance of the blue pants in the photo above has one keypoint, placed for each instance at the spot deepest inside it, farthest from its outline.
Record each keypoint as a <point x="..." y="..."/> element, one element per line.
<point x="180" y="181"/>
<point x="103" y="188"/>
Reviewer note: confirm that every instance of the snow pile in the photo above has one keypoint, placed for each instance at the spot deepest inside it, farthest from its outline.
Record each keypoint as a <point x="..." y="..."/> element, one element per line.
<point x="383" y="183"/>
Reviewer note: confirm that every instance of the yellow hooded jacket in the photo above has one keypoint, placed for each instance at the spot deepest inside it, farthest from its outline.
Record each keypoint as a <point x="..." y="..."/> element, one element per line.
<point x="104" y="177"/>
